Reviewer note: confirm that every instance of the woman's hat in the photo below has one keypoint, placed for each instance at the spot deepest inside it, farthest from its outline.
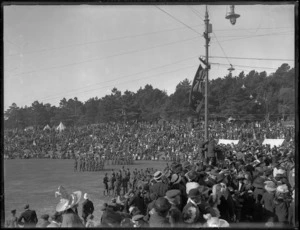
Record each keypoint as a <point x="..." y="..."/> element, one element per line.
<point x="270" y="186"/>
<point x="175" y="179"/>
<point x="282" y="189"/>
<point x="215" y="222"/>
<point x="191" y="185"/>
<point x="67" y="200"/>
<point x="162" y="204"/>
<point x="157" y="175"/>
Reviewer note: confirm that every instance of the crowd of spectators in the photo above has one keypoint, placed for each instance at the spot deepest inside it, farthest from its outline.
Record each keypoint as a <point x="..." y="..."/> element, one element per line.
<point x="138" y="140"/>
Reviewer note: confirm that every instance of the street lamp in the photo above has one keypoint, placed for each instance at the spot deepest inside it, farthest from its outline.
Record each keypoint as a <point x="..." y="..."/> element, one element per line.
<point x="231" y="15"/>
<point x="208" y="29"/>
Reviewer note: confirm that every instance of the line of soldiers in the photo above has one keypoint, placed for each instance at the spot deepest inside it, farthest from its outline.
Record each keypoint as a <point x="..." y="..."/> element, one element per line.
<point x="88" y="163"/>
<point x="121" y="160"/>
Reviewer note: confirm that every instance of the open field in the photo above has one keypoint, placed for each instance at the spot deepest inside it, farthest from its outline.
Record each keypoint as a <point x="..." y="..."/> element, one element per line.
<point x="34" y="181"/>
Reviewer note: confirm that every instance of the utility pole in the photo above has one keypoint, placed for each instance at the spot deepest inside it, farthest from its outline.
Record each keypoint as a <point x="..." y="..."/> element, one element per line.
<point x="208" y="29"/>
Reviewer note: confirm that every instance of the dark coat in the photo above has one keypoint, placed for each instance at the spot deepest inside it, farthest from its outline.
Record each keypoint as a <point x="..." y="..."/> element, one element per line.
<point x="30" y="218"/>
<point x="159" y="188"/>
<point x="87" y="208"/>
<point x="175" y="217"/>
<point x="71" y="220"/>
<point x="226" y="208"/>
<point x="211" y="149"/>
<point x="158" y="221"/>
<point x="138" y="202"/>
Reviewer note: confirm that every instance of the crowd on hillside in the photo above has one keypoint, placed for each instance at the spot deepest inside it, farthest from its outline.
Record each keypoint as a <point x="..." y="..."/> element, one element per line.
<point x="113" y="142"/>
<point x="244" y="185"/>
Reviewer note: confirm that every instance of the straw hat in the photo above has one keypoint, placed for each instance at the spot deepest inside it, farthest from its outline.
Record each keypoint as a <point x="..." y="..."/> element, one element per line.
<point x="175" y="179"/>
<point x="282" y="189"/>
<point x="67" y="200"/>
<point x="157" y="175"/>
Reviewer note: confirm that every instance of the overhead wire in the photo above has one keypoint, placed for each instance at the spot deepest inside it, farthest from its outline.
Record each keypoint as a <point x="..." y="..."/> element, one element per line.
<point x="251" y="58"/>
<point x="128" y="75"/>
<point x="154" y="75"/>
<point x="101" y="58"/>
<point x="177" y="20"/>
<point x="99" y="41"/>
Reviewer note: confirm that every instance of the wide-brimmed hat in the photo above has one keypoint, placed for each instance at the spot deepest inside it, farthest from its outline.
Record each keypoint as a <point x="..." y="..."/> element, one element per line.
<point x="175" y="179"/>
<point x="191" y="185"/>
<point x="270" y="186"/>
<point x="162" y="204"/>
<point x="67" y="200"/>
<point x="282" y="188"/>
<point x="215" y="222"/>
<point x="157" y="175"/>
<point x="191" y="175"/>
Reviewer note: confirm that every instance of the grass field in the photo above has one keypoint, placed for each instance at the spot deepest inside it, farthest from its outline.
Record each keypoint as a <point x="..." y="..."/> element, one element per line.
<point x="34" y="182"/>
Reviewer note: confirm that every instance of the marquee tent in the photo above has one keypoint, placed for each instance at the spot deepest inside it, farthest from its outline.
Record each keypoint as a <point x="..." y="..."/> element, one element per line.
<point x="47" y="127"/>
<point x="61" y="127"/>
<point x="273" y="142"/>
<point x="228" y="142"/>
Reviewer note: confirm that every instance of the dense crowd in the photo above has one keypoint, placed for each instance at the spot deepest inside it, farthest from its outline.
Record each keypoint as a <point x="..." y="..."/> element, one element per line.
<point x="117" y="142"/>
<point x="223" y="185"/>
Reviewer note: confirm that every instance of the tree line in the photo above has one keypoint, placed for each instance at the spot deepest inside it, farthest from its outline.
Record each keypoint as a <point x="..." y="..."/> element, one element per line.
<point x="250" y="97"/>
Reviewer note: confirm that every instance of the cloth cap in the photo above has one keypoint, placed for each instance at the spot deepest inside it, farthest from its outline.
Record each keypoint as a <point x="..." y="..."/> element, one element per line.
<point x="26" y="206"/>
<point x="171" y="194"/>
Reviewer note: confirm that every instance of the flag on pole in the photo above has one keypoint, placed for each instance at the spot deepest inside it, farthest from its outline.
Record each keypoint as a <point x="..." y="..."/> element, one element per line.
<point x="196" y="99"/>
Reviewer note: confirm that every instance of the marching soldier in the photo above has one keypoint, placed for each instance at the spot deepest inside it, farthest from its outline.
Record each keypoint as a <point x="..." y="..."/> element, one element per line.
<point x="75" y="164"/>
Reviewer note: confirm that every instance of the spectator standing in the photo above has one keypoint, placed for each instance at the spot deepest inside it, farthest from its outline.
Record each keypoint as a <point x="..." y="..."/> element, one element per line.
<point x="12" y="221"/>
<point x="87" y="208"/>
<point x="29" y="217"/>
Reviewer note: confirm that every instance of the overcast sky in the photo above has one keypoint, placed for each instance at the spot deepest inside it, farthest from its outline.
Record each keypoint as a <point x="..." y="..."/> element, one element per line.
<point x="83" y="51"/>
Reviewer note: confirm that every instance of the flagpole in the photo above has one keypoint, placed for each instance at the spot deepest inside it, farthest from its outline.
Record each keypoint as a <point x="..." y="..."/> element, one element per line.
<point x="206" y="20"/>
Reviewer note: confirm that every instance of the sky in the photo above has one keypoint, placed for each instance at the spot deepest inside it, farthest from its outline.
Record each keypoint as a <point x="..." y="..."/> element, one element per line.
<point x="84" y="51"/>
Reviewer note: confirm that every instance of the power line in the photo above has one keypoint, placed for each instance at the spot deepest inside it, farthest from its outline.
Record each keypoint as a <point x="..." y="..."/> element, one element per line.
<point x="251" y="58"/>
<point x="178" y="20"/>
<point x="262" y="67"/>
<point x="101" y="58"/>
<point x="100" y="41"/>
<point x="222" y="48"/>
<point x="154" y="75"/>
<point x="128" y="75"/>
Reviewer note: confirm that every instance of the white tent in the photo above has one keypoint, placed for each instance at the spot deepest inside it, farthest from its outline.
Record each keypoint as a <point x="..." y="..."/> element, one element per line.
<point x="61" y="127"/>
<point x="226" y="142"/>
<point x="47" y="127"/>
<point x="29" y="128"/>
<point x="273" y="142"/>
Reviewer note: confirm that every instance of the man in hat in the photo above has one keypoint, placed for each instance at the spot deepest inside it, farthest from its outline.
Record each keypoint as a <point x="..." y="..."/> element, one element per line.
<point x="67" y="205"/>
<point x="158" y="217"/>
<point x="175" y="215"/>
<point x="44" y="221"/>
<point x="159" y="187"/>
<point x="87" y="207"/>
<point x="29" y="216"/>
<point x="268" y="201"/>
<point x="12" y="221"/>
<point x="105" y="182"/>
<point x="191" y="213"/>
